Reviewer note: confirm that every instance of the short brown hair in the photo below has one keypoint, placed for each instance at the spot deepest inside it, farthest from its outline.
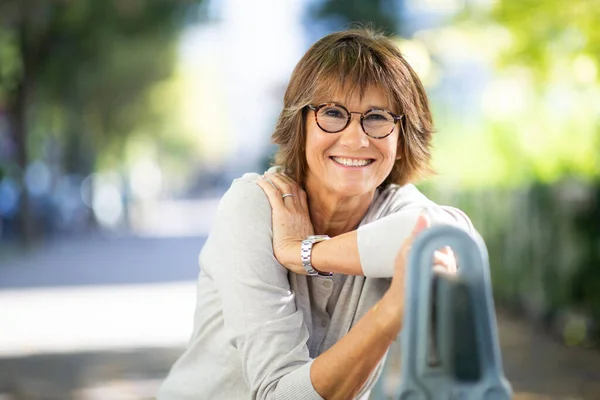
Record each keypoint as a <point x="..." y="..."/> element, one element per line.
<point x="355" y="60"/>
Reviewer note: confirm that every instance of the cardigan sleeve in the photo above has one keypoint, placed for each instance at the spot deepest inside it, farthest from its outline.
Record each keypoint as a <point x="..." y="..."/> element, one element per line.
<point x="259" y="310"/>
<point x="379" y="241"/>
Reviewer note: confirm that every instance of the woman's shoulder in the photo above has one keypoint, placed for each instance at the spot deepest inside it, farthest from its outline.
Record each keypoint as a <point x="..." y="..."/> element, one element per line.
<point x="244" y="181"/>
<point x="246" y="189"/>
<point x="394" y="198"/>
<point x="244" y="193"/>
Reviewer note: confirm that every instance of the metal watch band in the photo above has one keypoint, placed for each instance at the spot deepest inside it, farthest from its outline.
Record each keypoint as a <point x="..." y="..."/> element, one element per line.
<point x="305" y="254"/>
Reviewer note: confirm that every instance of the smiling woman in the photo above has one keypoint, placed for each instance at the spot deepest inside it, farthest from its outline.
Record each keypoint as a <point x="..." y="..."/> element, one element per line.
<point x="346" y="167"/>
<point x="301" y="283"/>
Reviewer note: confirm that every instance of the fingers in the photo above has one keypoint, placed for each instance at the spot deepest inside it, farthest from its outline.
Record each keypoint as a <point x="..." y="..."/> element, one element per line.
<point x="283" y="183"/>
<point x="444" y="261"/>
<point x="445" y="256"/>
<point x="271" y="191"/>
<point x="452" y="262"/>
<point x="287" y="185"/>
<point x="423" y="222"/>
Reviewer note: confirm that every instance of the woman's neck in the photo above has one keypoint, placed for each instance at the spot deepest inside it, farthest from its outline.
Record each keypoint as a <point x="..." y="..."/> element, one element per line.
<point x="333" y="215"/>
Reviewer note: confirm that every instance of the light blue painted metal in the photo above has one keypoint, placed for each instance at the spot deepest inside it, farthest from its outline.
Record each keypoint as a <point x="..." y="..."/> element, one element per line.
<point x="449" y="340"/>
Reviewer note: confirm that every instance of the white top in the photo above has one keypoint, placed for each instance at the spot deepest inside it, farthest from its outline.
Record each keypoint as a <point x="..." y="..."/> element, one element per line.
<point x="257" y="326"/>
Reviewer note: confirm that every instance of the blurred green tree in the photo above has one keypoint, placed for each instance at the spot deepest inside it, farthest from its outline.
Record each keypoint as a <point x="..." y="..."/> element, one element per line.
<point x="549" y="255"/>
<point x="545" y="32"/>
<point x="80" y="71"/>
<point x="556" y="46"/>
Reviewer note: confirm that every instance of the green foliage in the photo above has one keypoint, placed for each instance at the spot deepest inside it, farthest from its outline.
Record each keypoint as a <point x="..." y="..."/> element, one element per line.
<point x="89" y="66"/>
<point x="542" y="242"/>
<point x="540" y="121"/>
<point x="545" y="31"/>
<point x="10" y="62"/>
<point x="558" y="44"/>
<point x="76" y="76"/>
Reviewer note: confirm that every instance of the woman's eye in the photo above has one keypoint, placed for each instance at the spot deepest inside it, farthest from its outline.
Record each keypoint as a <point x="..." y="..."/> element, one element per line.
<point x="376" y="117"/>
<point x="333" y="113"/>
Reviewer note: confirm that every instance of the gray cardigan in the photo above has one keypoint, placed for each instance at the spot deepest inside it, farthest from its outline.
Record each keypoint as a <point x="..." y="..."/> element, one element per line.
<point x="257" y="326"/>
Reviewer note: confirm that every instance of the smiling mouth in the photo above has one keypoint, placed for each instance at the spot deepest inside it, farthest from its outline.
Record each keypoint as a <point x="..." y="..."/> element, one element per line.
<point x="352" y="162"/>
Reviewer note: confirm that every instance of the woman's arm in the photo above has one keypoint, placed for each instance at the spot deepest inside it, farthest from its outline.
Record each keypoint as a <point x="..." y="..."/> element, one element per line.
<point x="341" y="371"/>
<point x="369" y="251"/>
<point x="338" y="255"/>
<point x="259" y="313"/>
<point x="261" y="319"/>
<point x="262" y="322"/>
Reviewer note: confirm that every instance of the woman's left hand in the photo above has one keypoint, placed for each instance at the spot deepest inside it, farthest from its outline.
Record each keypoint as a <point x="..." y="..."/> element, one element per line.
<point x="290" y="218"/>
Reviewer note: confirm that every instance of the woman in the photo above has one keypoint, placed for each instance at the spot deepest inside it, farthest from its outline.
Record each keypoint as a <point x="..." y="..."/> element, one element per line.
<point x="283" y="314"/>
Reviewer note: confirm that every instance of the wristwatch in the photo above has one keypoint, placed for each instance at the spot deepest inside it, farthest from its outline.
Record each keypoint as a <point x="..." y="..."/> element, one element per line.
<point x="305" y="253"/>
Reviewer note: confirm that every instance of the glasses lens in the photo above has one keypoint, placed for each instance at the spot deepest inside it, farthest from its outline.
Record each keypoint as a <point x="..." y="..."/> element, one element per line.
<point x="378" y="123"/>
<point x="332" y="118"/>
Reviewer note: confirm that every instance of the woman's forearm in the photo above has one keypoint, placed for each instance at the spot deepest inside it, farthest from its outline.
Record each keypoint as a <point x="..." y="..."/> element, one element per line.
<point x="379" y="243"/>
<point x="341" y="371"/>
<point x="338" y="255"/>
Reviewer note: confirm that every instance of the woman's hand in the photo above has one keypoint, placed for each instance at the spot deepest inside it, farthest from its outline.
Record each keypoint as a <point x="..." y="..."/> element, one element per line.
<point x="290" y="219"/>
<point x="391" y="306"/>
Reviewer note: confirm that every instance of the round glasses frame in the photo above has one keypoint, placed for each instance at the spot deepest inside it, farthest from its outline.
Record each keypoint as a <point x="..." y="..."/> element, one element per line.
<point x="362" y="117"/>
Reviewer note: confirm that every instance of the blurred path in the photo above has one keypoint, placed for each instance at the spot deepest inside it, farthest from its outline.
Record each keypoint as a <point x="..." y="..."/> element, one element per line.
<point x="99" y="293"/>
<point x="95" y="317"/>
<point x="101" y="260"/>
<point x="99" y="318"/>
<point x="539" y="367"/>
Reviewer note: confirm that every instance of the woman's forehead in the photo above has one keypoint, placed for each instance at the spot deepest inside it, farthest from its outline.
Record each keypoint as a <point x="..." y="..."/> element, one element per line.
<point x="354" y="94"/>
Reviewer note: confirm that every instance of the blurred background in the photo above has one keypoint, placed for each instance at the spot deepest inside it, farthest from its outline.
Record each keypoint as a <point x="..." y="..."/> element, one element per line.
<point x="123" y="122"/>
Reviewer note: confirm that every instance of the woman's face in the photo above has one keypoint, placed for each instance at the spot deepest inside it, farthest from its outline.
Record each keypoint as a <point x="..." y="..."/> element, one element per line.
<point x="328" y="155"/>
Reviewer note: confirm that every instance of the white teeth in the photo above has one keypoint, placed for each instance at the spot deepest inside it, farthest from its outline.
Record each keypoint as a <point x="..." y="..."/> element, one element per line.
<point x="350" y="162"/>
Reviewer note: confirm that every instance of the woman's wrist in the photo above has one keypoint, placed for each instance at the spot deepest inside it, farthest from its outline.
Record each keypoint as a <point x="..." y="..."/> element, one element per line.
<point x="294" y="261"/>
<point x="338" y="255"/>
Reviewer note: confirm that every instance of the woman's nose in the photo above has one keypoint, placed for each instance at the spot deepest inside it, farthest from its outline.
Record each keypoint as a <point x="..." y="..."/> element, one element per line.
<point x="353" y="135"/>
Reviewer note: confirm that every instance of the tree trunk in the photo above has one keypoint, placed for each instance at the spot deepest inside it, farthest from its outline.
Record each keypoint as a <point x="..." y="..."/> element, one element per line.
<point x="79" y="157"/>
<point x="18" y="118"/>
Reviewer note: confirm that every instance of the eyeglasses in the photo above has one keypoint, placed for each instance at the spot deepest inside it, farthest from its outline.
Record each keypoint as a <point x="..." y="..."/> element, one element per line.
<point x="376" y="123"/>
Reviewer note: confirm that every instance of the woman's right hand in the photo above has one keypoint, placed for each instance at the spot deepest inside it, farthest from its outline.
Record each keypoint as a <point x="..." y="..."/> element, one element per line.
<point x="391" y="306"/>
<point x="290" y="219"/>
